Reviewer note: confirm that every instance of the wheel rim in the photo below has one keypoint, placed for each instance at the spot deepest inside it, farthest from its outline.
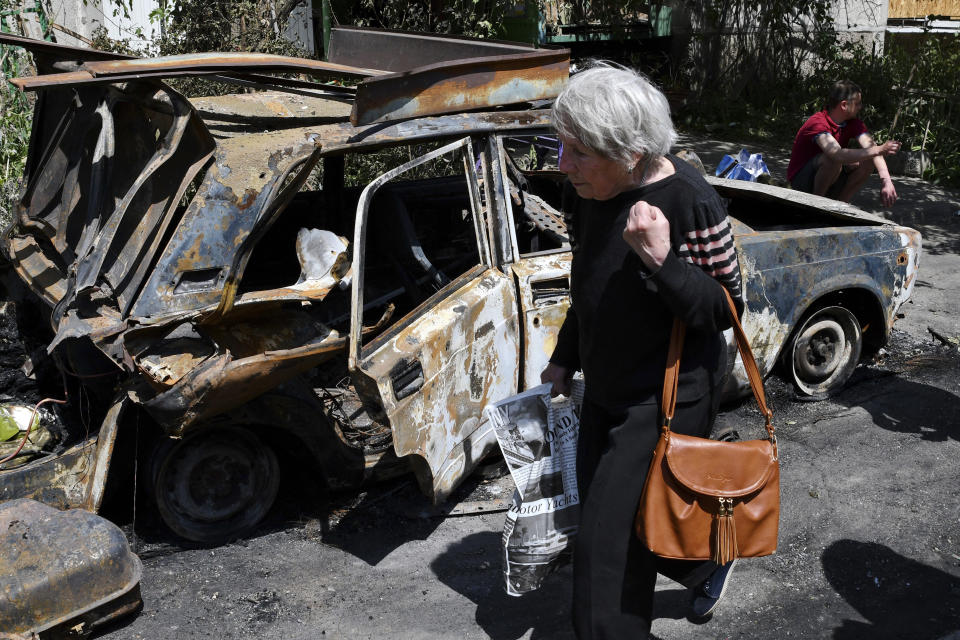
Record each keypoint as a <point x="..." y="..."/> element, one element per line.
<point x="826" y="350"/>
<point x="216" y="484"/>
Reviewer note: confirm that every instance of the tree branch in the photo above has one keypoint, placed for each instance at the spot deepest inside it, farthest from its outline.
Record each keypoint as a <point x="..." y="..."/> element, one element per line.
<point x="283" y="13"/>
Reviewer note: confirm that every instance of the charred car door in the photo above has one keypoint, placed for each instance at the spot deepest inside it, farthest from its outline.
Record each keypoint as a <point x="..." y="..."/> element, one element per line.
<point x="541" y="267"/>
<point x="437" y="367"/>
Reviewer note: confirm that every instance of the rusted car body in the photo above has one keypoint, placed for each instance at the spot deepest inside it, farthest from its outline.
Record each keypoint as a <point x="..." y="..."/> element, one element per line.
<point x="63" y="574"/>
<point x="220" y="270"/>
<point x="823" y="282"/>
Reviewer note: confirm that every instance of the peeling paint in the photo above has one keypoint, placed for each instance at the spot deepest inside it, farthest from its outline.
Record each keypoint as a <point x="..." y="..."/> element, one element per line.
<point x="483" y="330"/>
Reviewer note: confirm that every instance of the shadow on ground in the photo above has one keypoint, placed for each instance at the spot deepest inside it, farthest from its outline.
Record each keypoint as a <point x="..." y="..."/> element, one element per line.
<point x="473" y="568"/>
<point x="369" y="523"/>
<point x="378" y="521"/>
<point x="907" y="406"/>
<point x="898" y="597"/>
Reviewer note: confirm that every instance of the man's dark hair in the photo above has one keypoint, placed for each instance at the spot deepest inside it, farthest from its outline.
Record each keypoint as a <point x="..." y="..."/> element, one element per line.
<point x="840" y="91"/>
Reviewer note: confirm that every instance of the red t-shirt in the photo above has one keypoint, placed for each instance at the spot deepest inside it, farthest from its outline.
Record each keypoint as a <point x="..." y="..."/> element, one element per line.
<point x="804" y="147"/>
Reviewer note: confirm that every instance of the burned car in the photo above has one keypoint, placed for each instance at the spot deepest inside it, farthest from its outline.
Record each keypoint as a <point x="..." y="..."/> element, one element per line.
<point x="345" y="277"/>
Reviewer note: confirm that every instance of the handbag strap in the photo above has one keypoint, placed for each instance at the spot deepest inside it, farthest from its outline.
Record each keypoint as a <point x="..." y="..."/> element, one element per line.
<point x="671" y="373"/>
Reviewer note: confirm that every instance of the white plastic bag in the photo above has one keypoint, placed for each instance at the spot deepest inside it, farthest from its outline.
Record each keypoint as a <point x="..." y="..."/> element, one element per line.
<point x="538" y="437"/>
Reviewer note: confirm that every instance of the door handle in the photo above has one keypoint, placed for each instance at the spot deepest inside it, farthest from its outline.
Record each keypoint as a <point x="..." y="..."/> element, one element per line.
<point x="550" y="289"/>
<point x="406" y="379"/>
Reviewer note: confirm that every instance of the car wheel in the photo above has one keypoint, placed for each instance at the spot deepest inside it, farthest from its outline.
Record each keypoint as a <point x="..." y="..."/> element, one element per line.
<point x="824" y="352"/>
<point x="215" y="484"/>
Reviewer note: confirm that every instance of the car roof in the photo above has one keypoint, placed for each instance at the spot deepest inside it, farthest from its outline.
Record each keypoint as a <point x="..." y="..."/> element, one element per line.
<point x="397" y="75"/>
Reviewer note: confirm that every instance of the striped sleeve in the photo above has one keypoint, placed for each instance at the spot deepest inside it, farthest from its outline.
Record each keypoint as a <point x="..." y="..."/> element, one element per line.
<point x="709" y="245"/>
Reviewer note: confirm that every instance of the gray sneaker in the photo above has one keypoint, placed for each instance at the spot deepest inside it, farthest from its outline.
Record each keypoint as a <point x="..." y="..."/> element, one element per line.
<point x="707" y="596"/>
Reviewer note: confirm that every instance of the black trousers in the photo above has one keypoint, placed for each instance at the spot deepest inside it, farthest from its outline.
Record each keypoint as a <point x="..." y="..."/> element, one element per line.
<point x="614" y="574"/>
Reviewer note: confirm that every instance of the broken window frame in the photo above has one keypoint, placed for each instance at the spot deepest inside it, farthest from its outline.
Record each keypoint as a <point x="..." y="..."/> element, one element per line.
<point x="527" y="199"/>
<point x="361" y="228"/>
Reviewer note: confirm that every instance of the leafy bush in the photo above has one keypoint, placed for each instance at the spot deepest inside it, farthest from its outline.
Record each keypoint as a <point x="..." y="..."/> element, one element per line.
<point x="16" y="116"/>
<point x="195" y="26"/>
<point x="478" y="18"/>
<point x="15" y="119"/>
<point x="912" y="94"/>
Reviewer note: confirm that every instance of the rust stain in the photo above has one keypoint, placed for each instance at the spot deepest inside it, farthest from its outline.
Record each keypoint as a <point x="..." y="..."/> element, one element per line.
<point x="451" y="87"/>
<point x="194" y="257"/>
<point x="249" y="197"/>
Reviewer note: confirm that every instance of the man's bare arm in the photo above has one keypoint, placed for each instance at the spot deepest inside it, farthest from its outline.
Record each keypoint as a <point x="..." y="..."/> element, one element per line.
<point x="888" y="193"/>
<point x="832" y="149"/>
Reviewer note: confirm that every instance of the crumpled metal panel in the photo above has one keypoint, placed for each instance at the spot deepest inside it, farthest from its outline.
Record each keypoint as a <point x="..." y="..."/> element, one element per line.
<point x="61" y="567"/>
<point x="76" y="477"/>
<point x="819" y="205"/>
<point x="58" y="200"/>
<point x="100" y="71"/>
<point x="909" y="259"/>
<point x="255" y="357"/>
<point x="239" y="194"/>
<point x="449" y="87"/>
<point x="543" y="283"/>
<point x="270" y="110"/>
<point x="60" y="481"/>
<point x="467" y="348"/>
<point x="44" y="50"/>
<point x="131" y="234"/>
<point x="100" y="464"/>
<point x="394" y="51"/>
<point x="97" y="209"/>
<point x="342" y="137"/>
<point x="785" y="272"/>
<point x="511" y="75"/>
<point x="224" y="61"/>
<point x="44" y="275"/>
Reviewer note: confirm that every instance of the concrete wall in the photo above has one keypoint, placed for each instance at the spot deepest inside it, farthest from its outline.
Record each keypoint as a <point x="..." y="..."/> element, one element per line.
<point x="300" y="27"/>
<point x="863" y="21"/>
<point x="867" y="17"/>
<point x="76" y="20"/>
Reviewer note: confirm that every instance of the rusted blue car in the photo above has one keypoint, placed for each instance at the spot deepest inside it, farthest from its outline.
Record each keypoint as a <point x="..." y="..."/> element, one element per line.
<point x="239" y="287"/>
<point x="824" y="282"/>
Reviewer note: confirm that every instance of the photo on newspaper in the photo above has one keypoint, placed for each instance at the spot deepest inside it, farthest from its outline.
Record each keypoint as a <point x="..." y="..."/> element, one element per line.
<point x="538" y="437"/>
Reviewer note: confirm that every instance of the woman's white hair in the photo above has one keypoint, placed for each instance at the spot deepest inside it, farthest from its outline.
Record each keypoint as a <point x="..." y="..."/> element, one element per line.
<point x="615" y="112"/>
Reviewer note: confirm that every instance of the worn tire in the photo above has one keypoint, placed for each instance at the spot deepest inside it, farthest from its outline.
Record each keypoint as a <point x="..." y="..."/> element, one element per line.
<point x="215" y="484"/>
<point x="823" y="352"/>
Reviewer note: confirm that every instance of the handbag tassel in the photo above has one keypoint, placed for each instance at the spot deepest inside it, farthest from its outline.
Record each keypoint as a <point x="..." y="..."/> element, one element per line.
<point x="724" y="534"/>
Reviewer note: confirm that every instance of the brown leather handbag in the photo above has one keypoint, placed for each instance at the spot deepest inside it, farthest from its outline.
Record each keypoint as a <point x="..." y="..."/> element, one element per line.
<point x="707" y="499"/>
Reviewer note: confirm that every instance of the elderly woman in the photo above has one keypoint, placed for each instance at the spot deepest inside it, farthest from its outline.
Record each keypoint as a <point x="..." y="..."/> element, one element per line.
<point x="651" y="242"/>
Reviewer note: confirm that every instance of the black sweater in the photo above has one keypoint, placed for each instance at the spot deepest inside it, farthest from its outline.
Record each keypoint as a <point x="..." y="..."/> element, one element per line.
<point x="618" y="326"/>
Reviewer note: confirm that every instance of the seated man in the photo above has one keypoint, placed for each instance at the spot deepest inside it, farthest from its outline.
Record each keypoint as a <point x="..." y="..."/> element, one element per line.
<point x="821" y="163"/>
